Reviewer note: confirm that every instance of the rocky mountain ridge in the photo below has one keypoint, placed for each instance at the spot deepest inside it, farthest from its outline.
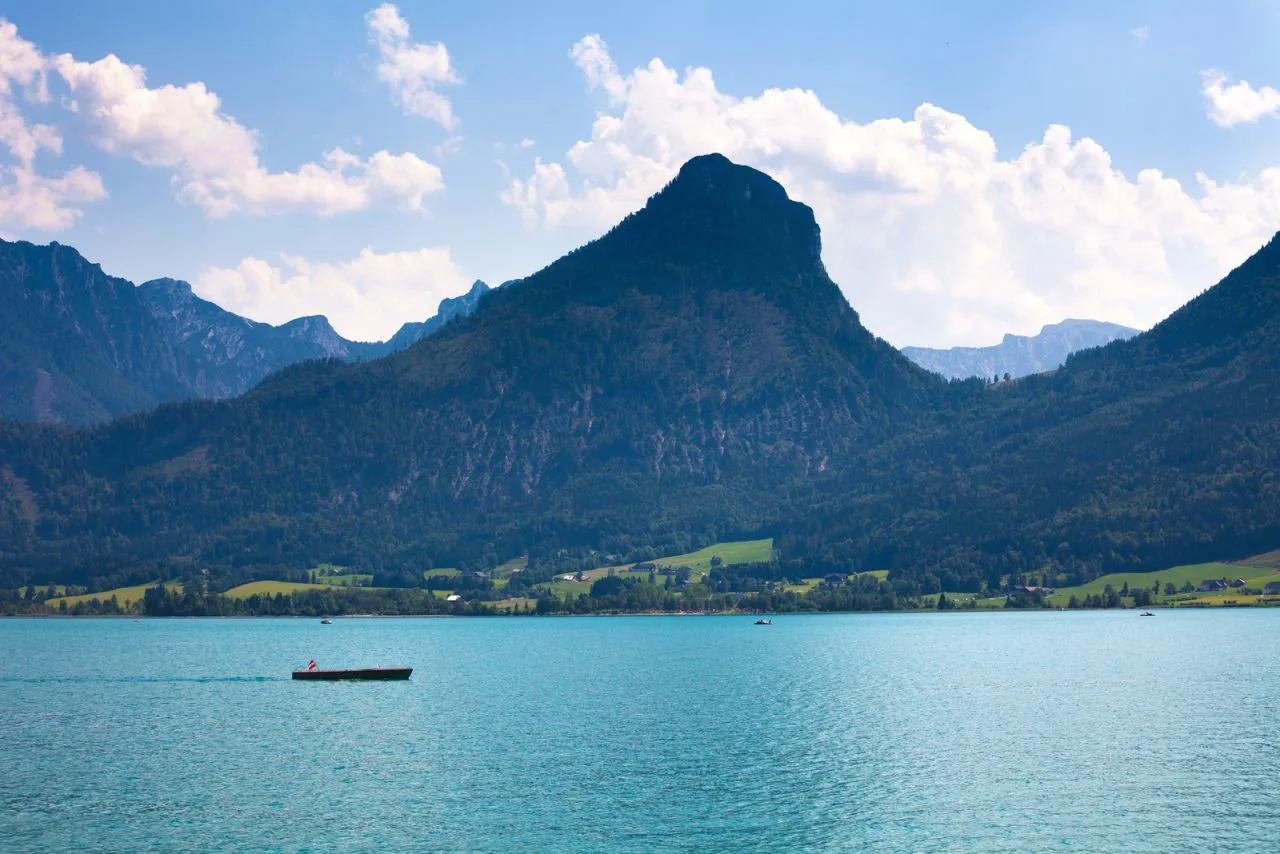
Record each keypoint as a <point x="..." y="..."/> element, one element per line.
<point x="80" y="346"/>
<point x="1020" y="355"/>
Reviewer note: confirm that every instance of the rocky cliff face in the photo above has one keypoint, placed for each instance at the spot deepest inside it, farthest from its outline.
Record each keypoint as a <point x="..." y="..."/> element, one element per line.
<point x="452" y="307"/>
<point x="1020" y="355"/>
<point x="226" y="354"/>
<point x="77" y="345"/>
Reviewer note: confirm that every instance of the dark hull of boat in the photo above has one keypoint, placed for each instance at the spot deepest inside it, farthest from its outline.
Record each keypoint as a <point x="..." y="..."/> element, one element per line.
<point x="380" y="674"/>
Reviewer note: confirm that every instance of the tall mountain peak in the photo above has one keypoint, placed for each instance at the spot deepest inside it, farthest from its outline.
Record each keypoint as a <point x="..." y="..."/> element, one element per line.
<point x="716" y="212"/>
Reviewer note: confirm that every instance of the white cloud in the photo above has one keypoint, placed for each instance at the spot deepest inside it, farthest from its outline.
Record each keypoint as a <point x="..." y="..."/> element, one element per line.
<point x="1140" y="33"/>
<point x="29" y="200"/>
<point x="934" y="236"/>
<point x="413" y="70"/>
<point x="214" y="158"/>
<point x="366" y="298"/>
<point x="527" y="143"/>
<point x="1237" y="103"/>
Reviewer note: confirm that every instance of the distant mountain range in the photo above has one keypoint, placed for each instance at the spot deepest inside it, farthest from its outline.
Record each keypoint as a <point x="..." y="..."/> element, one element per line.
<point x="81" y="346"/>
<point x="78" y="346"/>
<point x="1020" y="355"/>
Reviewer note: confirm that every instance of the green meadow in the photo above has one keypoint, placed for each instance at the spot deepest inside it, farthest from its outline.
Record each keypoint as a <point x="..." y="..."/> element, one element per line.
<point x="126" y="596"/>
<point x="698" y="563"/>
<point x="341" y="576"/>
<point x="1177" y="576"/>
<point x="271" y="588"/>
<point x="41" y="589"/>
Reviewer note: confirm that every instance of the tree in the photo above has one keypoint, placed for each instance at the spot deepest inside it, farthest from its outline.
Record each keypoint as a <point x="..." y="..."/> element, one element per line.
<point x="610" y="585"/>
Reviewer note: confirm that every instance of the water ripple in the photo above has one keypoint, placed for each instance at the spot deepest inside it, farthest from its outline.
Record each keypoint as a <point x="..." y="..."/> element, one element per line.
<point x="877" y="733"/>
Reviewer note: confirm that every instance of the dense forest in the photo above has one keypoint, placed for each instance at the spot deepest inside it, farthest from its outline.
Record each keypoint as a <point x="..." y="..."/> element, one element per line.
<point x="691" y="377"/>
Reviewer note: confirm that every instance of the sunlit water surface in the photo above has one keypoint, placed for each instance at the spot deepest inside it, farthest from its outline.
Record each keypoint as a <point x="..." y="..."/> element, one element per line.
<point x="883" y="733"/>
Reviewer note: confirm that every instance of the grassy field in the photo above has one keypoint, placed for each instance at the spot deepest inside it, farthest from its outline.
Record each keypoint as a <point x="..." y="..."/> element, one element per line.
<point x="743" y="551"/>
<point x="807" y="584"/>
<point x="447" y="572"/>
<point x="126" y="596"/>
<point x="698" y="563"/>
<point x="1269" y="560"/>
<point x="344" y="579"/>
<point x="1178" y="576"/>
<point x="271" y="588"/>
<point x="561" y="588"/>
<point x="512" y="604"/>
<point x="505" y="569"/>
<point x="60" y="589"/>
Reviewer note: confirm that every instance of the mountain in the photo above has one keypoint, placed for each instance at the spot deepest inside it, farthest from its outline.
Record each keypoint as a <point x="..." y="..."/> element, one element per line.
<point x="1020" y="355"/>
<point x="1149" y="452"/>
<point x="682" y="377"/>
<point x="228" y="354"/>
<point x="450" y="308"/>
<point x="690" y="377"/>
<point x="78" y="346"/>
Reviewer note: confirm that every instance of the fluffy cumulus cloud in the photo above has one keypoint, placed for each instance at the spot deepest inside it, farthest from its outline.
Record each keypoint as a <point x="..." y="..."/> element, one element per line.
<point x="214" y="159"/>
<point x="935" y="236"/>
<point x="1232" y="104"/>
<point x="30" y="200"/>
<point x="366" y="298"/>
<point x="412" y="70"/>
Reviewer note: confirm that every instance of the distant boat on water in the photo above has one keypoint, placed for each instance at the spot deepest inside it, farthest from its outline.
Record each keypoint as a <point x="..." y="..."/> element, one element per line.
<point x="764" y="622"/>
<point x="326" y="622"/>
<point x="1146" y="614"/>
<point x="376" y="674"/>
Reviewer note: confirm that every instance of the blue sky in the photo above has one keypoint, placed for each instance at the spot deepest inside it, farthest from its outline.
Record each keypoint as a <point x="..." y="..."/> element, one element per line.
<point x="931" y="139"/>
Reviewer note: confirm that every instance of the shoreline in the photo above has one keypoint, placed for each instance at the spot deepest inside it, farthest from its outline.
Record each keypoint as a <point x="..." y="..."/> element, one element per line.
<point x="757" y="614"/>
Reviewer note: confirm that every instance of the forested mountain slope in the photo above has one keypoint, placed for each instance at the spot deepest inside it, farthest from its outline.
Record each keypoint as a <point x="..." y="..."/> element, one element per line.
<point x="1159" y="450"/>
<point x="693" y="375"/>
<point x="691" y="371"/>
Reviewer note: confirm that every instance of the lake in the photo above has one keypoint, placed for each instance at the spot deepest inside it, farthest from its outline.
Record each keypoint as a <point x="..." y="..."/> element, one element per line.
<point x="1021" y="732"/>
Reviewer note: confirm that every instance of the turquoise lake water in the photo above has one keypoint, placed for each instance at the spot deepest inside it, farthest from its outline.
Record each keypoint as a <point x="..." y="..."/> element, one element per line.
<point x="1033" y="732"/>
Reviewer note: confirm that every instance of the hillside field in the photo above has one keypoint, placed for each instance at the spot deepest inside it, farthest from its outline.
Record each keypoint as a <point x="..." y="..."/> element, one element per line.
<point x="271" y="588"/>
<point x="126" y="596"/>
<point x="698" y="563"/>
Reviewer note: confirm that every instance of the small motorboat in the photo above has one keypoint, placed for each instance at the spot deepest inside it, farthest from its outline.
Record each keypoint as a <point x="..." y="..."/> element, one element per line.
<point x="326" y="622"/>
<point x="763" y="622"/>
<point x="1146" y="614"/>
<point x="378" y="674"/>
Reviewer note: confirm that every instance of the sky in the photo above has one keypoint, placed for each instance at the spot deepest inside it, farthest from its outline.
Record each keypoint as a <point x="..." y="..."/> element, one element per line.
<point x="976" y="168"/>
